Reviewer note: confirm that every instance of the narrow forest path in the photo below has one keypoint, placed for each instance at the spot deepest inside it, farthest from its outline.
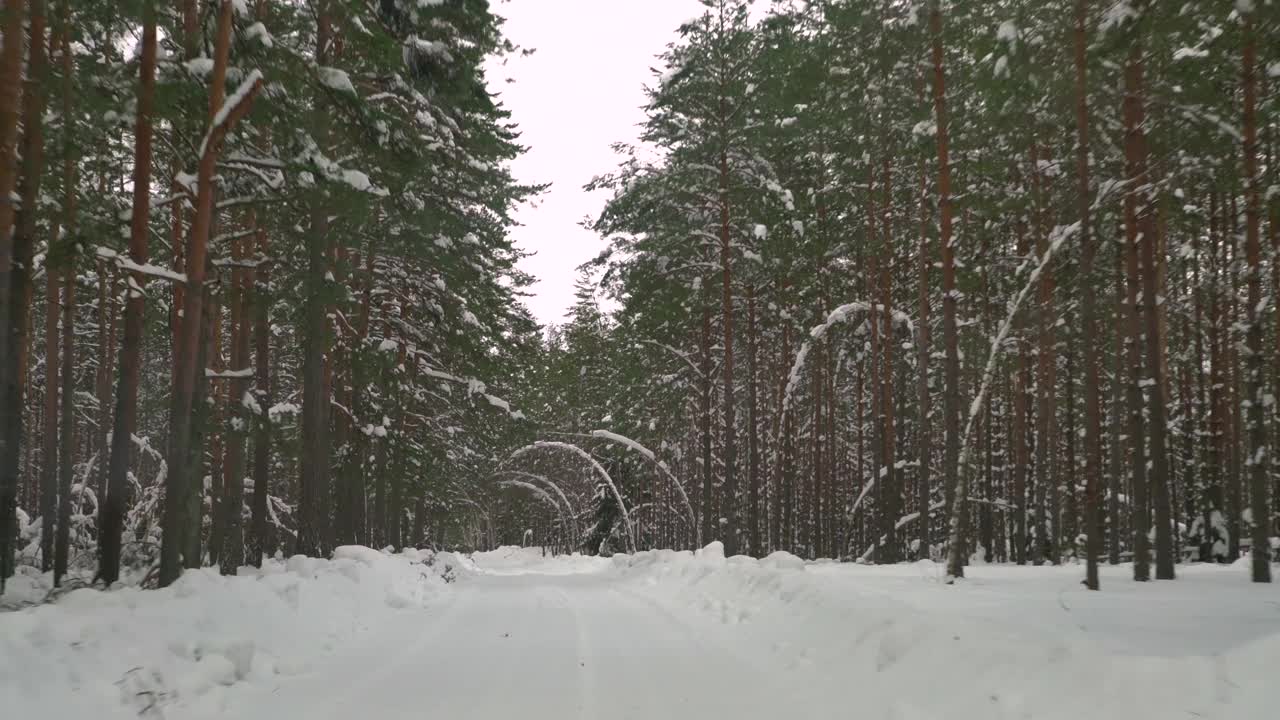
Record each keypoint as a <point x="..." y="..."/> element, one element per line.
<point x="534" y="646"/>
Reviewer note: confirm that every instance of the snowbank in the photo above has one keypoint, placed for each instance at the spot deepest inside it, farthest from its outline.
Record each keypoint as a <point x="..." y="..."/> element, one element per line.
<point x="908" y="646"/>
<point x="515" y="560"/>
<point x="151" y="653"/>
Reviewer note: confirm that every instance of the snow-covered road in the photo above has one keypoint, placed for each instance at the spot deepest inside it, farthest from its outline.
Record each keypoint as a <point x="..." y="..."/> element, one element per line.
<point x="655" y="635"/>
<point x="535" y="646"/>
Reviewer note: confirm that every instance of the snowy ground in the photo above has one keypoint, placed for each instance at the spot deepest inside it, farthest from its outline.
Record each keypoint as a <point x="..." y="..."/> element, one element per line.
<point x="656" y="635"/>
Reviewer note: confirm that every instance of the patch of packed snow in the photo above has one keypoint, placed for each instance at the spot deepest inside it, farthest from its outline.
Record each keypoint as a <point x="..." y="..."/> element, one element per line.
<point x="183" y="650"/>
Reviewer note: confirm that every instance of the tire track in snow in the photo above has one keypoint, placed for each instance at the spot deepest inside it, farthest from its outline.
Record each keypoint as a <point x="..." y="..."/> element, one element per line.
<point x="378" y="673"/>
<point x="587" y="681"/>
<point x="762" y="674"/>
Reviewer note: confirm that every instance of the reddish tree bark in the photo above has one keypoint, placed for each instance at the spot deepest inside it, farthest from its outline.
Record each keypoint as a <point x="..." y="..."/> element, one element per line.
<point x="126" y="413"/>
<point x="180" y="485"/>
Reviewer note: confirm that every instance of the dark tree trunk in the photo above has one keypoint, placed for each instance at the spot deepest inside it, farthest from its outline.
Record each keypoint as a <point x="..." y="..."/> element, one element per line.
<point x="1215" y="501"/>
<point x="787" y="471"/>
<point x="126" y="413"/>
<point x="953" y="474"/>
<point x="1119" y="410"/>
<point x="1257" y="461"/>
<point x="49" y="456"/>
<point x="314" y="490"/>
<point x="1136" y="150"/>
<point x="1023" y="433"/>
<point x="753" y="442"/>
<point x="924" y="260"/>
<point x="106" y="312"/>
<point x="313" y="483"/>
<point x="263" y="538"/>
<point x="1046" y="381"/>
<point x="24" y="231"/>
<point x="1202" y="429"/>
<point x="729" y="502"/>
<point x="67" y="435"/>
<point x="232" y="555"/>
<point x="12" y="317"/>
<point x="709" y="528"/>
<point x="1088" y="309"/>
<point x="215" y="415"/>
<point x="1133" y="229"/>
<point x="891" y="491"/>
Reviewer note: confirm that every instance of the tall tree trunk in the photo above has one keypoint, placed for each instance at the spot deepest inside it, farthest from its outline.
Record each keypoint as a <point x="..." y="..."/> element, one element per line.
<point x="1133" y="230"/>
<point x="1273" y="232"/>
<point x="730" y="448"/>
<point x="181" y="486"/>
<point x="812" y="533"/>
<point x="1088" y="309"/>
<point x="313" y="484"/>
<point x="1215" y="500"/>
<point x="1257" y="461"/>
<point x="262" y="541"/>
<point x="65" y="358"/>
<point x="67" y="434"/>
<point x="709" y="527"/>
<point x="1046" y="382"/>
<point x="924" y="261"/>
<point x="215" y="413"/>
<point x="11" y="59"/>
<point x="359" y="375"/>
<point x="953" y="475"/>
<point x="314" y="490"/>
<point x="396" y="494"/>
<point x="1068" y="514"/>
<point x="1021" y="430"/>
<point x="1232" y="420"/>
<point x="753" y="442"/>
<point x="1024" y="433"/>
<point x="1202" y="431"/>
<point x="1136" y="149"/>
<point x="232" y="555"/>
<point x="1119" y="409"/>
<point x="12" y="388"/>
<point x="891" y="491"/>
<point x="787" y="470"/>
<point x="986" y="519"/>
<point x="102" y="386"/>
<point x="126" y="413"/>
<point x="879" y="474"/>
<point x="49" y="456"/>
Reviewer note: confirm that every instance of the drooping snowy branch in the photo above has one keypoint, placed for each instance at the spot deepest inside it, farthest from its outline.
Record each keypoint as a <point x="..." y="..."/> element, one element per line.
<point x="1059" y="236"/>
<point x="649" y="455"/>
<point x="839" y="315"/>
<point x="595" y="466"/>
<point x="233" y="108"/>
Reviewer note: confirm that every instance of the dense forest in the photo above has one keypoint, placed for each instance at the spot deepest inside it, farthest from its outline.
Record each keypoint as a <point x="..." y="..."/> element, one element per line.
<point x="258" y="261"/>
<point x="981" y="280"/>
<point x="884" y="280"/>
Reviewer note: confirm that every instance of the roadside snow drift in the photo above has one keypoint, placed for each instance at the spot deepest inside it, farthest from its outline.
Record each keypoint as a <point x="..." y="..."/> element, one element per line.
<point x="173" y="652"/>
<point x="895" y="642"/>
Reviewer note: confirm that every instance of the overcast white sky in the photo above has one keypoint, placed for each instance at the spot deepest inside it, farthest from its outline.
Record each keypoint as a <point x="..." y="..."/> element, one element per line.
<point x="581" y="91"/>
